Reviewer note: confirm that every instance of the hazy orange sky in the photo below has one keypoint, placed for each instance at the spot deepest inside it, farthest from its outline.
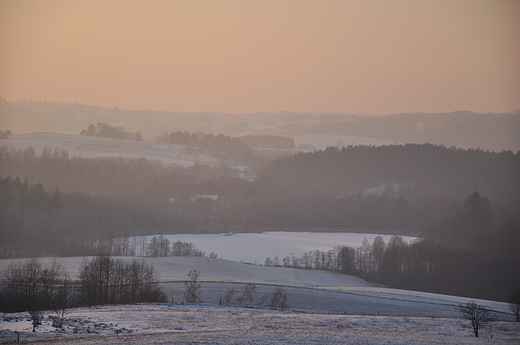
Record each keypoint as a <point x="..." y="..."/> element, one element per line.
<point x="248" y="56"/>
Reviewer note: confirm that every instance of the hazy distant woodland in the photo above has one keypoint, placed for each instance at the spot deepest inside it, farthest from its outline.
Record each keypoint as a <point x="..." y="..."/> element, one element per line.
<point x="463" y="129"/>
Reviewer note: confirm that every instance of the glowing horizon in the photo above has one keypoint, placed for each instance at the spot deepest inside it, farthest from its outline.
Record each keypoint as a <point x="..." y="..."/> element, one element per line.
<point x="227" y="56"/>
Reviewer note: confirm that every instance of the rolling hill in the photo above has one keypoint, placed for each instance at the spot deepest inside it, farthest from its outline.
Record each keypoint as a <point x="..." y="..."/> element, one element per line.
<point x="90" y="147"/>
<point x="322" y="307"/>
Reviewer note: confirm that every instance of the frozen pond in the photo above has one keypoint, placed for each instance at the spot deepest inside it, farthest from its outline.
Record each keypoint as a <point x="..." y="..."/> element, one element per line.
<point x="256" y="247"/>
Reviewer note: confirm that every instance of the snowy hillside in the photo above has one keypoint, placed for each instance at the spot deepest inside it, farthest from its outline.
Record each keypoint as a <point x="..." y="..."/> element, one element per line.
<point x="86" y="146"/>
<point x="322" y="307"/>
<point x="307" y="290"/>
<point x="176" y="268"/>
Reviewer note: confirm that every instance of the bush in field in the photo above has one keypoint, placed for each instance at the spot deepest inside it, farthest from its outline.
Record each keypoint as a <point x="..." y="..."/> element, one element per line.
<point x="228" y="297"/>
<point x="248" y="295"/>
<point x="192" y="287"/>
<point x="279" y="298"/>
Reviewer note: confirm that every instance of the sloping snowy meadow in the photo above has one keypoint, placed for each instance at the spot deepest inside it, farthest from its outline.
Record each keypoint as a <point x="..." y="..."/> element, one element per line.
<point x="91" y="147"/>
<point x="322" y="308"/>
<point x="205" y="324"/>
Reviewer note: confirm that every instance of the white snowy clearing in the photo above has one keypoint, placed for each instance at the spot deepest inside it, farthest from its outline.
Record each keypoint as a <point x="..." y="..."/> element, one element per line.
<point x="322" y="308"/>
<point x="256" y="247"/>
<point x="91" y="147"/>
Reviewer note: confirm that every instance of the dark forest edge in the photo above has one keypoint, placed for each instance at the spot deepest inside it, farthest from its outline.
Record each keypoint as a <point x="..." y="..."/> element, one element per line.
<point x="428" y="191"/>
<point x="421" y="265"/>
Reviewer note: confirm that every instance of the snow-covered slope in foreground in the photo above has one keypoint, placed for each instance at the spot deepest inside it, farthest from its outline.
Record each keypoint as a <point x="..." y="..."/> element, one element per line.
<point x="90" y="147"/>
<point x="322" y="308"/>
<point x="202" y="324"/>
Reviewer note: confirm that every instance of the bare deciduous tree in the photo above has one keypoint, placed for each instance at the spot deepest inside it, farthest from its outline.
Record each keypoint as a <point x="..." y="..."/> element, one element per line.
<point x="228" y="297"/>
<point x="248" y="295"/>
<point x="279" y="298"/>
<point x="478" y="315"/>
<point x="192" y="287"/>
<point x="36" y="318"/>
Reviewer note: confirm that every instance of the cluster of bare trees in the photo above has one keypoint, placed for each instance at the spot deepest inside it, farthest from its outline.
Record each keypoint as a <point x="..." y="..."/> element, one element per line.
<point x="249" y="297"/>
<point x="159" y="246"/>
<point x="33" y="287"/>
<point x="423" y="265"/>
<point x="108" y="131"/>
<point x="5" y="134"/>
<point x="106" y="280"/>
<point x="140" y="246"/>
<point x="227" y="146"/>
<point x="368" y="258"/>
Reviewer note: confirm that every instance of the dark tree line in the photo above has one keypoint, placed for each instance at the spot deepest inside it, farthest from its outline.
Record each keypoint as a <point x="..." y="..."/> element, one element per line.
<point x="268" y="141"/>
<point x="421" y="190"/>
<point x="107" y="131"/>
<point x="411" y="170"/>
<point x="5" y="134"/>
<point x="460" y="128"/>
<point x="119" y="177"/>
<point x="228" y="147"/>
<point x="31" y="216"/>
<point x="422" y="265"/>
<point x="358" y="211"/>
<point x="31" y="286"/>
<point x="37" y="222"/>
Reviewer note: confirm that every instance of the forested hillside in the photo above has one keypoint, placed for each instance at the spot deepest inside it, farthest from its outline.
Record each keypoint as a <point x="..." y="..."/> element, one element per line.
<point x="463" y="129"/>
<point x="464" y="202"/>
<point x="415" y="170"/>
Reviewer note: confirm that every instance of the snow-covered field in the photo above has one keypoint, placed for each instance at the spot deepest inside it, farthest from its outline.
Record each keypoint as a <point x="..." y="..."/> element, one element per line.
<point x="205" y="324"/>
<point x="322" y="308"/>
<point x="90" y="147"/>
<point x="256" y="247"/>
<point x="218" y="270"/>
